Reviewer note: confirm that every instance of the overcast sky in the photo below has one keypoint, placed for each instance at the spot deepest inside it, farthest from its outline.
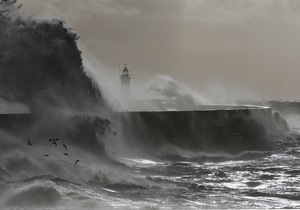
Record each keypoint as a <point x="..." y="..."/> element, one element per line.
<point x="253" y="43"/>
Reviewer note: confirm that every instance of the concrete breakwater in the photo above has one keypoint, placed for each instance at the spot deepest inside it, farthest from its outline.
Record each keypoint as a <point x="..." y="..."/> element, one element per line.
<point x="229" y="129"/>
<point x="15" y="121"/>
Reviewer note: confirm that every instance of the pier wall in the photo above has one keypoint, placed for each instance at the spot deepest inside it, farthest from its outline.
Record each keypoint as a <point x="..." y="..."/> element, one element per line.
<point x="15" y="121"/>
<point x="211" y="129"/>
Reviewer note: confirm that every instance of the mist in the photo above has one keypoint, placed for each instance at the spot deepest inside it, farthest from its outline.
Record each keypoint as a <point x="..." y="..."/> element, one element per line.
<point x="44" y="81"/>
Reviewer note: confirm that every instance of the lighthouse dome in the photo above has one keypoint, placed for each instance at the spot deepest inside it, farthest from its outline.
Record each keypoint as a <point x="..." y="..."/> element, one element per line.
<point x="125" y="70"/>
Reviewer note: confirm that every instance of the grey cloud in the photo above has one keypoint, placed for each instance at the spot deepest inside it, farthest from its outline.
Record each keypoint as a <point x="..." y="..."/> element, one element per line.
<point x="252" y="42"/>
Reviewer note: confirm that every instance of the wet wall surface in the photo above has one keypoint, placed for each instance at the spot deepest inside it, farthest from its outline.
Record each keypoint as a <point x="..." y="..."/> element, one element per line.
<point x="229" y="130"/>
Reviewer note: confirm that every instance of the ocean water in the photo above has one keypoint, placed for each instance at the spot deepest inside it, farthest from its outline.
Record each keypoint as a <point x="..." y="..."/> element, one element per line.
<point x="41" y="69"/>
<point x="267" y="179"/>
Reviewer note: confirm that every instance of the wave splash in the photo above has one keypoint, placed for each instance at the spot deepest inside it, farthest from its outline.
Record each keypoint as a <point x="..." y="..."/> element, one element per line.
<point x="41" y="68"/>
<point x="41" y="72"/>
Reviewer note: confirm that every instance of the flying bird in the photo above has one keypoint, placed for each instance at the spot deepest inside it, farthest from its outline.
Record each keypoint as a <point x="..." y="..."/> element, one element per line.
<point x="76" y="162"/>
<point x="51" y="140"/>
<point x="29" y="143"/>
<point x="46" y="155"/>
<point x="65" y="153"/>
<point x="54" y="143"/>
<point x="65" y="146"/>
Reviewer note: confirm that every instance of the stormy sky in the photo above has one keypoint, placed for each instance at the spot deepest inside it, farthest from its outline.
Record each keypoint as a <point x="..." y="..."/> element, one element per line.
<point x="254" y="44"/>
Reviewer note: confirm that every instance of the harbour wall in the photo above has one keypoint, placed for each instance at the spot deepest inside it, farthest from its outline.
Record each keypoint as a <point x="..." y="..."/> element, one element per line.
<point x="15" y="121"/>
<point x="229" y="129"/>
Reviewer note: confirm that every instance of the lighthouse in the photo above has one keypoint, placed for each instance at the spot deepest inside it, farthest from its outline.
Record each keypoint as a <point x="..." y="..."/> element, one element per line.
<point x="125" y="81"/>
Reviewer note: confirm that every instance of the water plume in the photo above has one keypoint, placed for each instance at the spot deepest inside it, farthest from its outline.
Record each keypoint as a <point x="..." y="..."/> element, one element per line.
<point x="41" y="72"/>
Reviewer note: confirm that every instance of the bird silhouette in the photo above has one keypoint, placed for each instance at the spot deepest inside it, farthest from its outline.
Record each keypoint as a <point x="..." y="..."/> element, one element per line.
<point x="65" y="146"/>
<point x="56" y="139"/>
<point x="46" y="155"/>
<point x="29" y="143"/>
<point x="65" y="153"/>
<point x="76" y="162"/>
<point x="51" y="140"/>
<point x="54" y="143"/>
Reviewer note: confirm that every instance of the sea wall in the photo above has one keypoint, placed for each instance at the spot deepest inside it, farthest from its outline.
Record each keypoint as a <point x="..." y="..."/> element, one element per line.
<point x="230" y="129"/>
<point x="15" y="121"/>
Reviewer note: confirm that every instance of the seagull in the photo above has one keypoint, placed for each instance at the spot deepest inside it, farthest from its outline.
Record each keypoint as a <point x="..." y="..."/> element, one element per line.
<point x="76" y="162"/>
<point x="29" y="143"/>
<point x="65" y="153"/>
<point x="65" y="146"/>
<point x="54" y="143"/>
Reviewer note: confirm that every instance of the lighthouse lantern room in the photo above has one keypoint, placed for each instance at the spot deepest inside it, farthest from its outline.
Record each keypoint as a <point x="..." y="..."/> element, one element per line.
<point x="125" y="81"/>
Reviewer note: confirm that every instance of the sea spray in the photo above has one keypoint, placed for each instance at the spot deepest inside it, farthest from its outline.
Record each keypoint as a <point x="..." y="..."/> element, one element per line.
<point x="41" y="71"/>
<point x="41" y="67"/>
<point x="40" y="63"/>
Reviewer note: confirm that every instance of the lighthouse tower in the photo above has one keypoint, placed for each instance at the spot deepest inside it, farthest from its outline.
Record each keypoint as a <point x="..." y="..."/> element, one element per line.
<point x="125" y="82"/>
